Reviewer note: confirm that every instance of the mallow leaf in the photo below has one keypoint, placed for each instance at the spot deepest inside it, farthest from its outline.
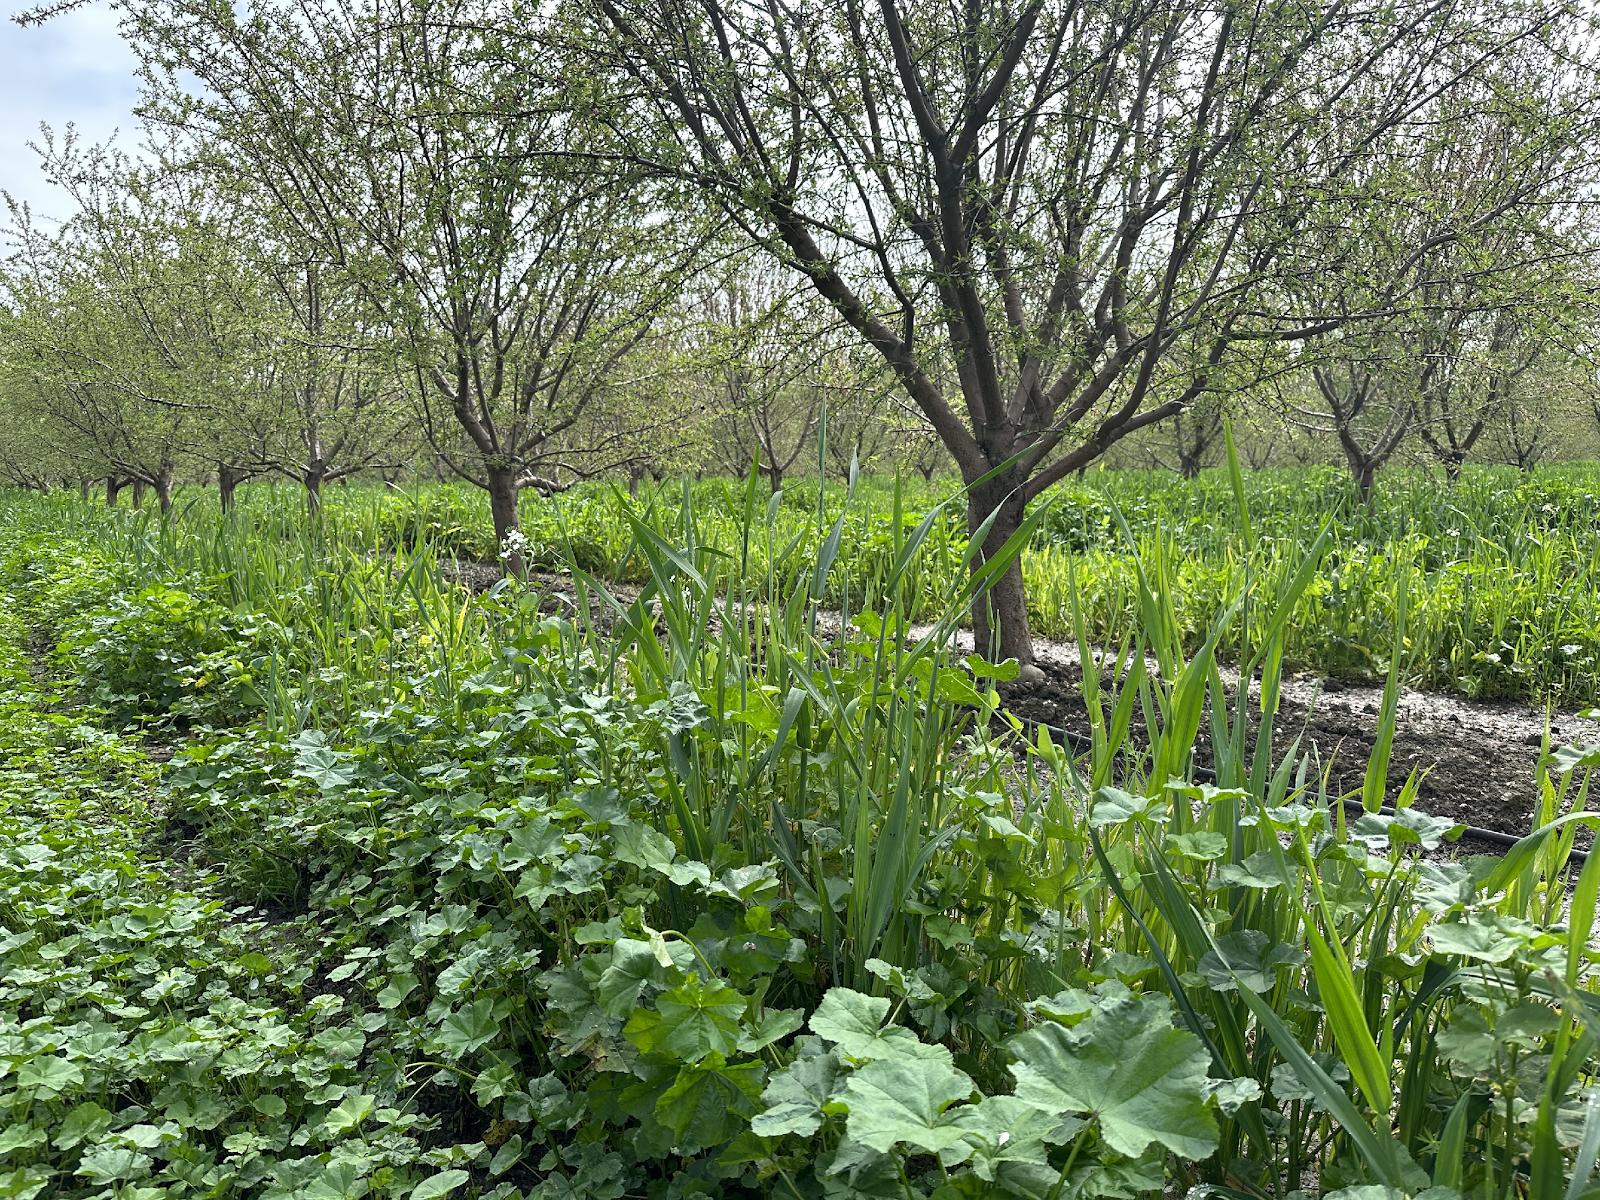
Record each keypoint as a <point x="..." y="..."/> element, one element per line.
<point x="1113" y="806"/>
<point x="1142" y="1079"/>
<point x="902" y="1100"/>
<point x="468" y="1028"/>
<point x="1001" y="1129"/>
<point x="438" y="1185"/>
<point x="775" y="1023"/>
<point x="853" y="1019"/>
<point x="1247" y="958"/>
<point x="794" y="1099"/>
<point x="692" y="1020"/>
<point x="707" y="1103"/>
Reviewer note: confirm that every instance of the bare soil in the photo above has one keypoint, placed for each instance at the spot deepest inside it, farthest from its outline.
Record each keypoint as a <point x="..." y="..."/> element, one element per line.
<point x="1478" y="758"/>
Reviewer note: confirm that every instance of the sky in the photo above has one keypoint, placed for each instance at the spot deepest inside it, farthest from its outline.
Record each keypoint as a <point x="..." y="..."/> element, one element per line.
<point x="74" y="68"/>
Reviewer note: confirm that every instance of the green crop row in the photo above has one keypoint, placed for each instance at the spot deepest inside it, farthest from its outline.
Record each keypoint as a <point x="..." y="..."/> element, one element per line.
<point x="1505" y="585"/>
<point x="565" y="890"/>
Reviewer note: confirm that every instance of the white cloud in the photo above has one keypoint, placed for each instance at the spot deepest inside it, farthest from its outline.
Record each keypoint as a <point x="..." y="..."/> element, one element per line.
<point x="73" y="68"/>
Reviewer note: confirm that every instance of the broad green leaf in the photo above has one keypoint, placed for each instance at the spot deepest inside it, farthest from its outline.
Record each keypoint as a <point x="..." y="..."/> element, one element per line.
<point x="1233" y="1094"/>
<point x="1260" y="870"/>
<point x="50" y="1073"/>
<point x="20" y="1137"/>
<point x="643" y="845"/>
<point x="1113" y="806"/>
<point x="633" y="966"/>
<point x="338" y="1181"/>
<point x="107" y="1164"/>
<point x="692" y="1020"/>
<point x="1002" y="1129"/>
<point x="1478" y="937"/>
<point x="708" y="1102"/>
<point x="853" y="1020"/>
<point x="393" y="993"/>
<point x="1569" y="758"/>
<point x="1141" y="1078"/>
<point x="794" y="1099"/>
<point x="22" y="1184"/>
<point x="901" y="1100"/>
<point x="1247" y="958"/>
<point x="468" y="1028"/>
<point x="349" y="1114"/>
<point x="1204" y="846"/>
<point x="775" y="1023"/>
<point x="438" y="1185"/>
<point x="507" y="1156"/>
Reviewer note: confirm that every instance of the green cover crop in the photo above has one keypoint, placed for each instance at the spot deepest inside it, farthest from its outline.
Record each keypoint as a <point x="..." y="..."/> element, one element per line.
<point x="568" y="890"/>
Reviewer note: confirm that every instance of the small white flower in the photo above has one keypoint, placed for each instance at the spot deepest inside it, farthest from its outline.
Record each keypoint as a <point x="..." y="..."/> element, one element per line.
<point x="515" y="542"/>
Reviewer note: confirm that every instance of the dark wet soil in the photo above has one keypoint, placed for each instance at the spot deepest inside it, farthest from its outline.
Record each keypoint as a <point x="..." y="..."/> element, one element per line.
<point x="1479" y="759"/>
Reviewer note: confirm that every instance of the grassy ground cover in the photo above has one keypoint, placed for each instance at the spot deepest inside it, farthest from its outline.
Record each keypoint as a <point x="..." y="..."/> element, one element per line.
<point x="505" y="895"/>
<point x="1502" y="570"/>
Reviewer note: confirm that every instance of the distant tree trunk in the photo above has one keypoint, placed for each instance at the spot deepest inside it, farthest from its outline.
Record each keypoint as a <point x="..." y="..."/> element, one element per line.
<point x="1002" y="613"/>
<point x="113" y="488"/>
<point x="163" y="486"/>
<point x="228" y="479"/>
<point x="1347" y="404"/>
<point x="83" y="489"/>
<point x="503" y="507"/>
<point x="139" y="486"/>
<point x="313" y="475"/>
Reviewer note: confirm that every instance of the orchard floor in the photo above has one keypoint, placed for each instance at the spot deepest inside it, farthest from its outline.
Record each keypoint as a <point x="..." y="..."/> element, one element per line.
<point x="1479" y="757"/>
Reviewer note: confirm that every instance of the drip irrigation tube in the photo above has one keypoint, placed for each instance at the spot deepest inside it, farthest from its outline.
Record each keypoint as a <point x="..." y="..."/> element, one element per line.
<point x="1079" y="742"/>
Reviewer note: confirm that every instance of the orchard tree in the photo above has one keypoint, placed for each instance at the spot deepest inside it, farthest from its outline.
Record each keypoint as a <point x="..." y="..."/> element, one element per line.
<point x="1079" y="212"/>
<point x="393" y="139"/>
<point x="1367" y="414"/>
<point x="125" y="319"/>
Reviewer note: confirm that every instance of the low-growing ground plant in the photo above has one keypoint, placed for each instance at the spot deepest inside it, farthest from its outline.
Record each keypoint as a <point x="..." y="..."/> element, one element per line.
<point x="728" y="887"/>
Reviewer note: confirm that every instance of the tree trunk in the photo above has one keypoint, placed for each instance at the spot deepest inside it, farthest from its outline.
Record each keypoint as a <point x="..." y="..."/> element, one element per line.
<point x="503" y="507"/>
<point x="1000" y="615"/>
<point x="139" y="486"/>
<point x="113" y="487"/>
<point x="228" y="480"/>
<point x="83" y="488"/>
<point x="163" y="486"/>
<point x="1366" y="476"/>
<point x="312" y="476"/>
